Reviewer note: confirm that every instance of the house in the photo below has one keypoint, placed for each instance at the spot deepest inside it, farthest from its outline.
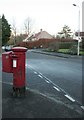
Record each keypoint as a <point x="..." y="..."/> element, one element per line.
<point x="81" y="35"/>
<point x="40" y="35"/>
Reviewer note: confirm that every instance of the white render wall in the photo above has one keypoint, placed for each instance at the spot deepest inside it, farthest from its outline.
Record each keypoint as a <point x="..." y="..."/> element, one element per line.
<point x="83" y="16"/>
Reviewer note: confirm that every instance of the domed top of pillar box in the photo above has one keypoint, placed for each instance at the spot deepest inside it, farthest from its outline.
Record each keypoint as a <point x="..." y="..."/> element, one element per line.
<point x="19" y="49"/>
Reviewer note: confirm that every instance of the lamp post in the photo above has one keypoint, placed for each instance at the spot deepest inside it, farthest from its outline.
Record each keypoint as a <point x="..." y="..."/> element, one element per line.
<point x="78" y="48"/>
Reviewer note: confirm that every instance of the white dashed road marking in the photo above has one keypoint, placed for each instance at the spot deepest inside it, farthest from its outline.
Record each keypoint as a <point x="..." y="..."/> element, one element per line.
<point x="29" y="66"/>
<point x="70" y="98"/>
<point x="40" y="76"/>
<point x="56" y="88"/>
<point x="82" y="107"/>
<point x="35" y="72"/>
<point x="40" y="73"/>
<point x="47" y="81"/>
<point x="7" y="83"/>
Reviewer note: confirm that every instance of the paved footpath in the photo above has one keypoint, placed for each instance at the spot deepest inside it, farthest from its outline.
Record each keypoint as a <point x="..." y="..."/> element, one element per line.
<point x="35" y="105"/>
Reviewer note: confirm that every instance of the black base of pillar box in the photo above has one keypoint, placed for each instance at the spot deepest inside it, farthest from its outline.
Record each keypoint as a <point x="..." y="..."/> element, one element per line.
<point x="18" y="92"/>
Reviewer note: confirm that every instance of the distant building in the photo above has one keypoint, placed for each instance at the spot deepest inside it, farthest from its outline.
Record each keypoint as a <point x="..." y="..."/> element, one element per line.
<point x="40" y="35"/>
<point x="82" y="33"/>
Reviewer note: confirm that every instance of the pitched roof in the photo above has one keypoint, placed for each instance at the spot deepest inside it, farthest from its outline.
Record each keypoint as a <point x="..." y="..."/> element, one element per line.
<point x="39" y="35"/>
<point x="43" y="34"/>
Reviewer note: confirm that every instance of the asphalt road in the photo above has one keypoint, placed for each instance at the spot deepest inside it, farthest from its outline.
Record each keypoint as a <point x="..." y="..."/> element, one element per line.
<point x="63" y="74"/>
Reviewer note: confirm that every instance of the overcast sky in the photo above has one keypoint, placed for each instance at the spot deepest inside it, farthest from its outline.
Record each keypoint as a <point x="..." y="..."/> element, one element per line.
<point x="49" y="15"/>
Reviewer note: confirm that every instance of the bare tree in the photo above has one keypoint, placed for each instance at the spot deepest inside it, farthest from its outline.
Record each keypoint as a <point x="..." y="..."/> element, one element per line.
<point x="14" y="30"/>
<point x="28" y="26"/>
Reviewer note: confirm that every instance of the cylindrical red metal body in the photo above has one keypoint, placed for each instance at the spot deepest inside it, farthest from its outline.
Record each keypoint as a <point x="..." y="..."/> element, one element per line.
<point x="19" y="56"/>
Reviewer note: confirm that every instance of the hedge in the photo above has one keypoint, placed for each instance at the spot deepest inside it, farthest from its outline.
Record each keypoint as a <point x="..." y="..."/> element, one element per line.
<point x="45" y="43"/>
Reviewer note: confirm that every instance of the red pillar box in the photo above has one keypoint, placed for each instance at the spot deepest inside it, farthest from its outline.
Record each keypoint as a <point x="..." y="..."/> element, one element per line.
<point x="19" y="56"/>
<point x="7" y="62"/>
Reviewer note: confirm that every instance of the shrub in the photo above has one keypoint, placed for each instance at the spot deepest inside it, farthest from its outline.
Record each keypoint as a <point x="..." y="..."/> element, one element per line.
<point x="73" y="50"/>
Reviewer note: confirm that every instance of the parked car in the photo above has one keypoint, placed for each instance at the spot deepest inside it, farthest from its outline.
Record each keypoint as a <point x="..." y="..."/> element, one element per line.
<point x="6" y="48"/>
<point x="3" y="47"/>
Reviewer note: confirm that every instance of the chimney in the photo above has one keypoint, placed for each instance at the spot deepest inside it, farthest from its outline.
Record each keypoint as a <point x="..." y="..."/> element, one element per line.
<point x="40" y="30"/>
